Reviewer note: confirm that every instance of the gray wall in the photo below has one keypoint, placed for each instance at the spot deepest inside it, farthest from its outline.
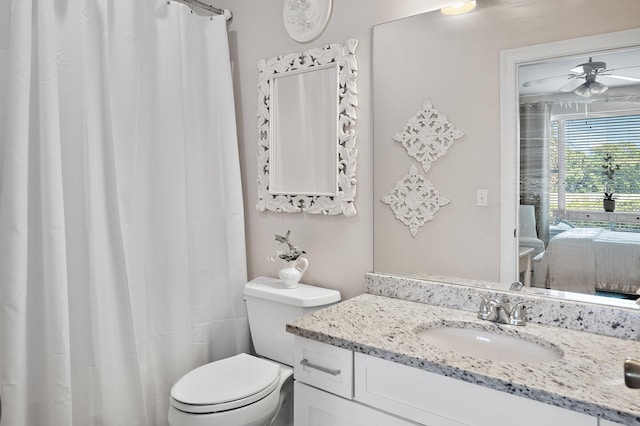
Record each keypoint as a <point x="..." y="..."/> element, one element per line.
<point x="340" y="250"/>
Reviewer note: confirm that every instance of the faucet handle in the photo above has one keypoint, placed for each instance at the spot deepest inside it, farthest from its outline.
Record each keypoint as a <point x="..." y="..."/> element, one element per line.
<point x="485" y="309"/>
<point x="517" y="316"/>
<point x="516" y="286"/>
<point x="489" y="308"/>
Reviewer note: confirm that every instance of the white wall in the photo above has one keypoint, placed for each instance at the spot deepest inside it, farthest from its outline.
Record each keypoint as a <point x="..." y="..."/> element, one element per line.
<point x="340" y="250"/>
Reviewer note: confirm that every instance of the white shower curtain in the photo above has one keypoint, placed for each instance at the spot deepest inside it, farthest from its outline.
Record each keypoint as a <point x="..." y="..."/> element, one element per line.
<point x="122" y="256"/>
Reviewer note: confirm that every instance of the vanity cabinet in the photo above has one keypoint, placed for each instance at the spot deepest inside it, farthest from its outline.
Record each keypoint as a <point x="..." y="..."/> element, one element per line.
<point x="336" y="387"/>
<point x="319" y="408"/>
<point x="323" y="390"/>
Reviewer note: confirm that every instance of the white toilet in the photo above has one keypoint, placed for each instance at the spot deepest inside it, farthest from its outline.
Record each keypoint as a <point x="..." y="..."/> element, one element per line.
<point x="246" y="390"/>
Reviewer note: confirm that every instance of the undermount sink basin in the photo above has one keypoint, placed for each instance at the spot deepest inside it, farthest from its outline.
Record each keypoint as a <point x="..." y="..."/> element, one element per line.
<point x="464" y="339"/>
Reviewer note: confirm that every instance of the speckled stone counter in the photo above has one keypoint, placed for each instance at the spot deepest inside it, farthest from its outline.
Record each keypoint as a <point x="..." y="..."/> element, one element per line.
<point x="587" y="379"/>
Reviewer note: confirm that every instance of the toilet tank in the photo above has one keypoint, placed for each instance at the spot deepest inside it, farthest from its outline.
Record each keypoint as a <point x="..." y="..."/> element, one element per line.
<point x="270" y="307"/>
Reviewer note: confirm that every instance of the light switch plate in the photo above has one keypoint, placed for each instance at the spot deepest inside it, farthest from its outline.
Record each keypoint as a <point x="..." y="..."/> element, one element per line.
<point x="482" y="198"/>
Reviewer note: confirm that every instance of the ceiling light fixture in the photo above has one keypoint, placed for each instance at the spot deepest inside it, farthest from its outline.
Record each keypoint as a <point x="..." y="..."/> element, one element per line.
<point x="459" y="8"/>
<point x="590" y="87"/>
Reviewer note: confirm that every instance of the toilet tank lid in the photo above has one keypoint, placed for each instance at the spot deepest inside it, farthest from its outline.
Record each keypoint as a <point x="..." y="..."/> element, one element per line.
<point x="303" y="296"/>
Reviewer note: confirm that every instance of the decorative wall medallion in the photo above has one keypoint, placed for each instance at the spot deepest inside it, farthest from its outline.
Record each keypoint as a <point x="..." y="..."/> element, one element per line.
<point x="414" y="200"/>
<point x="428" y="135"/>
<point x="304" y="20"/>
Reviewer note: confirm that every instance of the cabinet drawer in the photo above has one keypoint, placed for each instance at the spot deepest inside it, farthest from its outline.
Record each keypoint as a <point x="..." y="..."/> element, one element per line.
<point x="627" y="217"/>
<point x="324" y="366"/>
<point x="318" y="408"/>
<point x="433" y="399"/>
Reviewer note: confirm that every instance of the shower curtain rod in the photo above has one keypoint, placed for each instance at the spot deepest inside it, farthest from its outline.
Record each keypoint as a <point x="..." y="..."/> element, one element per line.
<point x="225" y="12"/>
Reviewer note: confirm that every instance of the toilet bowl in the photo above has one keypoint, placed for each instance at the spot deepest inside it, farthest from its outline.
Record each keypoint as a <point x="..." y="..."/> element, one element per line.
<point x="242" y="390"/>
<point x="248" y="390"/>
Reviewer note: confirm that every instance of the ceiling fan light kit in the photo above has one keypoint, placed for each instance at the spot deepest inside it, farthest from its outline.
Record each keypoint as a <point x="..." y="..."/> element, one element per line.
<point x="590" y="88"/>
<point x="589" y="71"/>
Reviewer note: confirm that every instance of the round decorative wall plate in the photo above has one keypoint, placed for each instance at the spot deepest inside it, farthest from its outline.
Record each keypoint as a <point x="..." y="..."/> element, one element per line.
<point x="304" y="20"/>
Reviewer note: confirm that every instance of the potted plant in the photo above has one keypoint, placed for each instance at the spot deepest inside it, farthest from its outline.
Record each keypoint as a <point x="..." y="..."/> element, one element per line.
<point x="609" y="170"/>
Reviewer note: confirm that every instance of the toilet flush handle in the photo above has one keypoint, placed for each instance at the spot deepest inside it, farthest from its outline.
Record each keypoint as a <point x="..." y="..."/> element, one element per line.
<point x="305" y="362"/>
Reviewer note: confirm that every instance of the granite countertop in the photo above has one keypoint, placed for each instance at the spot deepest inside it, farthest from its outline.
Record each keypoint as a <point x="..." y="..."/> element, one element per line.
<point x="588" y="378"/>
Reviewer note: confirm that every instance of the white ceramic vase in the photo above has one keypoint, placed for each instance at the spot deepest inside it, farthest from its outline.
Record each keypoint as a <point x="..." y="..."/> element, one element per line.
<point x="291" y="274"/>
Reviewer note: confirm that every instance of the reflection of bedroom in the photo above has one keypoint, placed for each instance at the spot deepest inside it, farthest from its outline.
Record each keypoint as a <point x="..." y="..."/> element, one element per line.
<point x="580" y="177"/>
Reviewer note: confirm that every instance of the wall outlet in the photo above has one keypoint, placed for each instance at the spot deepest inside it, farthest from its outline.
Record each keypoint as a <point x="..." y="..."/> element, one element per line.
<point x="482" y="198"/>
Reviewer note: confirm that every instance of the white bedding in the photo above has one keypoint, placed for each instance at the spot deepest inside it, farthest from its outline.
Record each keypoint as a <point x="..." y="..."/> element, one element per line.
<point x="585" y="259"/>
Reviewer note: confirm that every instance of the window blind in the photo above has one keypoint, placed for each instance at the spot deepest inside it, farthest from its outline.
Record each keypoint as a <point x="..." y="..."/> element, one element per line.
<point x="586" y="142"/>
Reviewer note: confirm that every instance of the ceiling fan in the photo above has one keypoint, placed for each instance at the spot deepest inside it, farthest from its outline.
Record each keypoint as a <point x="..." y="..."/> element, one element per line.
<point x="582" y="78"/>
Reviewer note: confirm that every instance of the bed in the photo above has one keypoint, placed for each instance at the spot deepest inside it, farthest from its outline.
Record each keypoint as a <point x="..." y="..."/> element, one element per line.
<point x="584" y="260"/>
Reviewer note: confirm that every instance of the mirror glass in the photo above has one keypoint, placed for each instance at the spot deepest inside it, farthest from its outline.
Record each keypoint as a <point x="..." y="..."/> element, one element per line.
<point x="455" y="63"/>
<point x="304" y="117"/>
<point x="306" y="131"/>
<point x="579" y="118"/>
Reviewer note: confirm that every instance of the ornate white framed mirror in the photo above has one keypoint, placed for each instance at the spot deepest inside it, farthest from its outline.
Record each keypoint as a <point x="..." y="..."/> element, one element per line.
<point x="306" y="131"/>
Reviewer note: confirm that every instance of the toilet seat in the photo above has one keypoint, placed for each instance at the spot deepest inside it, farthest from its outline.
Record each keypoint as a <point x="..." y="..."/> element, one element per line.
<point x="225" y="385"/>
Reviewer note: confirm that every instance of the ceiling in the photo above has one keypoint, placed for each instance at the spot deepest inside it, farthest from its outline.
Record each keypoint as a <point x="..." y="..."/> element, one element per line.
<point x="560" y="68"/>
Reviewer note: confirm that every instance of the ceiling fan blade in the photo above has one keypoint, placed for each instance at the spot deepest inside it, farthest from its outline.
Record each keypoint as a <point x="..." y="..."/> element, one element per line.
<point x="619" y="68"/>
<point x="579" y="70"/>
<point x="544" y="80"/>
<point x="620" y="77"/>
<point x="572" y="85"/>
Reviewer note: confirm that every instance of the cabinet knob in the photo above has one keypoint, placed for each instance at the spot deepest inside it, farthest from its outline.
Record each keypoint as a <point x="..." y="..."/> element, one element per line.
<point x="632" y="373"/>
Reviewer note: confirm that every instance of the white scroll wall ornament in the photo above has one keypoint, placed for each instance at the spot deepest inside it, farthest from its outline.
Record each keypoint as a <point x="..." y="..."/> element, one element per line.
<point x="414" y="200"/>
<point x="426" y="137"/>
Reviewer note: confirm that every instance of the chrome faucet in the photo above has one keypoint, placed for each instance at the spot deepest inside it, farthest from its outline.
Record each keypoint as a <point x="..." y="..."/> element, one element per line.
<point x="502" y="311"/>
<point x="516" y="286"/>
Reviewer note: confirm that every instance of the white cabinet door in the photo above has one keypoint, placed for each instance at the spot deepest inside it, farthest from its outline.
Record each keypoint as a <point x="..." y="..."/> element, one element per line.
<point x="314" y="407"/>
<point x="432" y="399"/>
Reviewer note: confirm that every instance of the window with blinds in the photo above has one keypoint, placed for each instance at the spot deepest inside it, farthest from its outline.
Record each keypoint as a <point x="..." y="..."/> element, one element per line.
<point x="577" y="153"/>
